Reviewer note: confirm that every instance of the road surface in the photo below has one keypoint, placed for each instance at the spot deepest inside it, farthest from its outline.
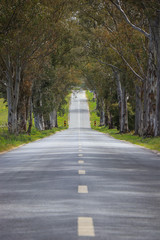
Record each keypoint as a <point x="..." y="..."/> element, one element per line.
<point x="79" y="184"/>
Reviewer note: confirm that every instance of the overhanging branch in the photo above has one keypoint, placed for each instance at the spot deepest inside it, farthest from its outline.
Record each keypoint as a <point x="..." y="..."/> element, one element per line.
<point x="126" y="62"/>
<point x="118" y="5"/>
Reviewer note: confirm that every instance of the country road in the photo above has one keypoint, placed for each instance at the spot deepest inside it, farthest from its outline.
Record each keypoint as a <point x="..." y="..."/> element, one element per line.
<point x="79" y="184"/>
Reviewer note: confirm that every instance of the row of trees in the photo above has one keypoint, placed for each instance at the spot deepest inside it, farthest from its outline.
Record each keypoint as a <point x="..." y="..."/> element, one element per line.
<point x="115" y="44"/>
<point x="122" y="46"/>
<point x="35" y="74"/>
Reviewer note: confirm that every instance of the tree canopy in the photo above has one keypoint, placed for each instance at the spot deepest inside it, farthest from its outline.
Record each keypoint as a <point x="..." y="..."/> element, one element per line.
<point x="112" y="45"/>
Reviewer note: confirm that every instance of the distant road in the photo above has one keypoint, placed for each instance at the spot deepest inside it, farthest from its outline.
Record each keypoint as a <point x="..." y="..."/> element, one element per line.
<point x="79" y="184"/>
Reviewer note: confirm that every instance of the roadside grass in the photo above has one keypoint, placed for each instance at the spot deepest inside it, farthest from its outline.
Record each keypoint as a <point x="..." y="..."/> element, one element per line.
<point x="92" y="108"/>
<point x="65" y="115"/>
<point x="10" y="141"/>
<point x="3" y="112"/>
<point x="152" y="143"/>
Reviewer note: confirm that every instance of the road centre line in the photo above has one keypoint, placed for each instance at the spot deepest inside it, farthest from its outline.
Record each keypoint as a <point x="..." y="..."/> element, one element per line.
<point x="79" y="121"/>
<point x="81" y="172"/>
<point x="85" y="227"/>
<point x="80" y="161"/>
<point x="80" y="155"/>
<point x="82" y="189"/>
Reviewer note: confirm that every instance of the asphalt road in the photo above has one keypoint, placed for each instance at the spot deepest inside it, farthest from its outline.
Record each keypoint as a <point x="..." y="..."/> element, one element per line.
<point x="79" y="184"/>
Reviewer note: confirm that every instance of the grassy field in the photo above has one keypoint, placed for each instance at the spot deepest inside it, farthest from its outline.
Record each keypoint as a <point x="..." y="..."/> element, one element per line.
<point x="8" y="141"/>
<point x="150" y="143"/>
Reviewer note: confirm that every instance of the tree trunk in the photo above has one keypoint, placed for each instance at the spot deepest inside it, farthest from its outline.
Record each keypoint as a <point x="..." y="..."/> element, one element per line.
<point x="108" y="119"/>
<point x="47" y="125"/>
<point x="13" y="85"/>
<point x="119" y="96"/>
<point x="97" y="104"/>
<point x="53" y="118"/>
<point x="107" y="116"/>
<point x="22" y="115"/>
<point x="30" y="116"/>
<point x="122" y="104"/>
<point x="139" y="111"/>
<point x="150" y="90"/>
<point x="102" y="113"/>
<point x="39" y="121"/>
<point x="155" y="31"/>
<point x="38" y="115"/>
<point x="56" y="121"/>
<point x="124" y="112"/>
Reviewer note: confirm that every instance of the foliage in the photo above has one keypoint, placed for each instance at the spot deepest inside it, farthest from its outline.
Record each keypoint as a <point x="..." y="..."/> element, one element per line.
<point x="50" y="46"/>
<point x="30" y="31"/>
<point x="92" y="107"/>
<point x="151" y="143"/>
<point x="9" y="141"/>
<point x="3" y="112"/>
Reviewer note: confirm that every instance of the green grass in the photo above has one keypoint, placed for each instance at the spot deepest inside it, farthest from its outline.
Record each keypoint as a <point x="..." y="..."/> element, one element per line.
<point x="150" y="143"/>
<point x="64" y="117"/>
<point x="3" y="112"/>
<point x="93" y="111"/>
<point x="10" y="141"/>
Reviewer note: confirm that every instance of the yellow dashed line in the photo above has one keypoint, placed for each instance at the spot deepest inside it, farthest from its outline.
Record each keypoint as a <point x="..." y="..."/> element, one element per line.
<point x="82" y="189"/>
<point x="85" y="227"/>
<point x="81" y="172"/>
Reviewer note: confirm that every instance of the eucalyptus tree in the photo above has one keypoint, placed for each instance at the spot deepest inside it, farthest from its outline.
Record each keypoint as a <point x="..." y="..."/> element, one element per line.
<point x="134" y="12"/>
<point x="28" y="34"/>
<point x="139" y="45"/>
<point x="57" y="76"/>
<point x="103" y="37"/>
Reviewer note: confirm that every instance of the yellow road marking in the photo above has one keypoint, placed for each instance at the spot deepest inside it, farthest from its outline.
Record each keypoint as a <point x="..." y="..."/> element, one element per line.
<point x="80" y="150"/>
<point x="82" y="189"/>
<point x="80" y="161"/>
<point x="86" y="227"/>
<point x="82" y="172"/>
<point x="80" y="155"/>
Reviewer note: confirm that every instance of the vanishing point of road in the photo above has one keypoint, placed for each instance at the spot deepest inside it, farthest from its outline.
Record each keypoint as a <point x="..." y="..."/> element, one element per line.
<point x="79" y="184"/>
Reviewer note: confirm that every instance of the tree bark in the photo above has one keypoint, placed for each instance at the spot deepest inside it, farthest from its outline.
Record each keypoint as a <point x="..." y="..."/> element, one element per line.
<point x="39" y="121"/>
<point x="38" y="114"/>
<point x="122" y="104"/>
<point x="47" y="125"/>
<point x="124" y="111"/>
<point x="102" y="113"/>
<point x="149" y="123"/>
<point x="155" y="30"/>
<point x="30" y="116"/>
<point x="110" y="125"/>
<point x="109" y="119"/>
<point x="119" y="96"/>
<point x="53" y="118"/>
<point x="139" y="111"/>
<point x="22" y="115"/>
<point x="13" y="77"/>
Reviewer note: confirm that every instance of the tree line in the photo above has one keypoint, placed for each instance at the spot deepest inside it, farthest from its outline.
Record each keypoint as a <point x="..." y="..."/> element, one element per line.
<point x="123" y="52"/>
<point x="113" y="45"/>
<point x="36" y="75"/>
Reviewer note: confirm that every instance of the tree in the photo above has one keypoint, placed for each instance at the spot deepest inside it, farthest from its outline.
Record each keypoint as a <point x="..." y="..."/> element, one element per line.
<point x="30" y="36"/>
<point x="99" y="47"/>
<point x="150" y="10"/>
